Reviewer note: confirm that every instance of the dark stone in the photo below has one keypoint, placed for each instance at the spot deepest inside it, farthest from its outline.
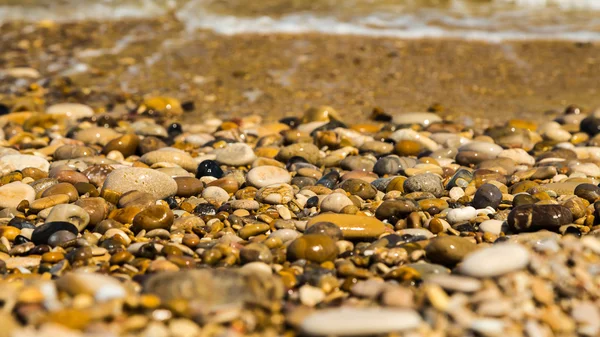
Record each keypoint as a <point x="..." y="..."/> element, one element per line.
<point x="21" y="223"/>
<point x="334" y="124"/>
<point x="387" y="165"/>
<point x="330" y="179"/>
<point x="42" y="233"/>
<point x="312" y="202"/>
<point x="292" y="122"/>
<point x="326" y="228"/>
<point x="392" y="210"/>
<point x="209" y="168"/>
<point x="174" y="130"/>
<point x="172" y="202"/>
<point x="590" y="125"/>
<point x="359" y="188"/>
<point x="524" y="199"/>
<point x="589" y="192"/>
<point x="487" y="195"/>
<point x="461" y="179"/>
<point x="20" y="239"/>
<point x="302" y="182"/>
<point x="60" y="238"/>
<point x="205" y="209"/>
<point x="535" y="217"/>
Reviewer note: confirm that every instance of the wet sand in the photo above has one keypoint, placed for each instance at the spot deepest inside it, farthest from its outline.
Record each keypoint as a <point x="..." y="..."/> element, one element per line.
<point x="277" y="75"/>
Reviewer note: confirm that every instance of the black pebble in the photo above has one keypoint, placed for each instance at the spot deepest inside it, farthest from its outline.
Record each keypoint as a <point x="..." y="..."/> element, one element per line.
<point x="209" y="168"/>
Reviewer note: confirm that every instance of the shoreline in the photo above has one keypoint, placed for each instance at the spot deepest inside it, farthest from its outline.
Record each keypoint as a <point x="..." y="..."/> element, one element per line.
<point x="241" y="75"/>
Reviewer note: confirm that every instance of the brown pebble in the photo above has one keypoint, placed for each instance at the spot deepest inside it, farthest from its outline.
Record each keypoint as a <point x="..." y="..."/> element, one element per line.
<point x="62" y="188"/>
<point x="153" y="217"/>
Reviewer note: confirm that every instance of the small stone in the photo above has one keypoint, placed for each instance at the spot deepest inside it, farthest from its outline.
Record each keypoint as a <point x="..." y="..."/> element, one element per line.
<point x="305" y="150"/>
<point x="458" y="215"/>
<point x="70" y="213"/>
<point x="313" y="247"/>
<point x="359" y="321"/>
<point x="158" y="184"/>
<point x="487" y="195"/>
<point x="13" y="193"/>
<point x="455" y="282"/>
<point x="275" y="194"/>
<point x="536" y="217"/>
<point x="495" y="261"/>
<point x="352" y="226"/>
<point x="215" y="194"/>
<point x="153" y="217"/>
<point x="209" y="168"/>
<point x="335" y="202"/>
<point x="589" y="192"/>
<point x="311" y="296"/>
<point x="426" y="182"/>
<point x="71" y="110"/>
<point x="326" y="228"/>
<point x="449" y="250"/>
<point x="493" y="227"/>
<point x="359" y="188"/>
<point x="237" y="154"/>
<point x="173" y="156"/>
<point x="263" y="176"/>
<point x="188" y="186"/>
<point x="422" y="118"/>
<point x="42" y="233"/>
<point x="97" y="135"/>
<point x="19" y="162"/>
<point x="102" y="287"/>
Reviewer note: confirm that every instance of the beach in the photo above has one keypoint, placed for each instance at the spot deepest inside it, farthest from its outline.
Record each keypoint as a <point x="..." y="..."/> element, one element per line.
<point x="300" y="168"/>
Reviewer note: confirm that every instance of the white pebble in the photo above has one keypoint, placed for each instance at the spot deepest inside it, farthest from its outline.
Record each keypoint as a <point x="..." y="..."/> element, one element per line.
<point x="457" y="215"/>
<point x="496" y="260"/>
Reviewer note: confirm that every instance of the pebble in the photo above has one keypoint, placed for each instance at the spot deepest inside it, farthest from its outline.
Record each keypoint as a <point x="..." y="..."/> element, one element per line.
<point x="359" y="188"/>
<point x="487" y="195"/>
<point x="275" y="194"/>
<point x="101" y="287"/>
<point x="458" y="215"/>
<point x="305" y="150"/>
<point x="494" y="226"/>
<point x="352" y="226"/>
<point x="456" y="282"/>
<point x="19" y="162"/>
<point x="335" y="202"/>
<point x="13" y="193"/>
<point x="71" y="110"/>
<point x="313" y="247"/>
<point x="536" y="217"/>
<point x="495" y="261"/>
<point x="359" y="321"/>
<point x="236" y="154"/>
<point x="70" y="213"/>
<point x="449" y="250"/>
<point x="263" y="176"/>
<point x="173" y="156"/>
<point x="426" y="182"/>
<point x="158" y="184"/>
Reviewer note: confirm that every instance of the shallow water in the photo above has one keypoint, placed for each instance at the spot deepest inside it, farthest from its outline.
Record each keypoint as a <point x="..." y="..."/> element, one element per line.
<point x="490" y="20"/>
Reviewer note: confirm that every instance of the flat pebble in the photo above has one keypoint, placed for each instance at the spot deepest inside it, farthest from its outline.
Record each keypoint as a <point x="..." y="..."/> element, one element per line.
<point x="457" y="215"/>
<point x="158" y="184"/>
<point x="495" y="261"/>
<point x="237" y="154"/>
<point x="335" y="202"/>
<point x="18" y="162"/>
<point x="359" y="321"/>
<point x="13" y="193"/>
<point x="262" y="176"/>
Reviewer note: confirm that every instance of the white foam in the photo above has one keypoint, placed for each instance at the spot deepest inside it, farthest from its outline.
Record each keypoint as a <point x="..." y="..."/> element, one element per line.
<point x="309" y="23"/>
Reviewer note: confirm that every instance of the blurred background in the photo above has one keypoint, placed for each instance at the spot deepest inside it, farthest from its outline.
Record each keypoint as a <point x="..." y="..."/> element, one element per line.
<point x="481" y="58"/>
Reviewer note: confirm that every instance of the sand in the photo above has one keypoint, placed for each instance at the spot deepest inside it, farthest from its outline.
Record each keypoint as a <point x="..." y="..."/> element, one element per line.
<point x="277" y="75"/>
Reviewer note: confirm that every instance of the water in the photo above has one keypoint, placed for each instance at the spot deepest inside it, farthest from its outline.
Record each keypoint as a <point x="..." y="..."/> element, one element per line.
<point x="490" y="20"/>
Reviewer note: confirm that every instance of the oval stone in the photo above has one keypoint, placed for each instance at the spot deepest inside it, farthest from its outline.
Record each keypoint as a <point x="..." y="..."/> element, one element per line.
<point x="352" y="226"/>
